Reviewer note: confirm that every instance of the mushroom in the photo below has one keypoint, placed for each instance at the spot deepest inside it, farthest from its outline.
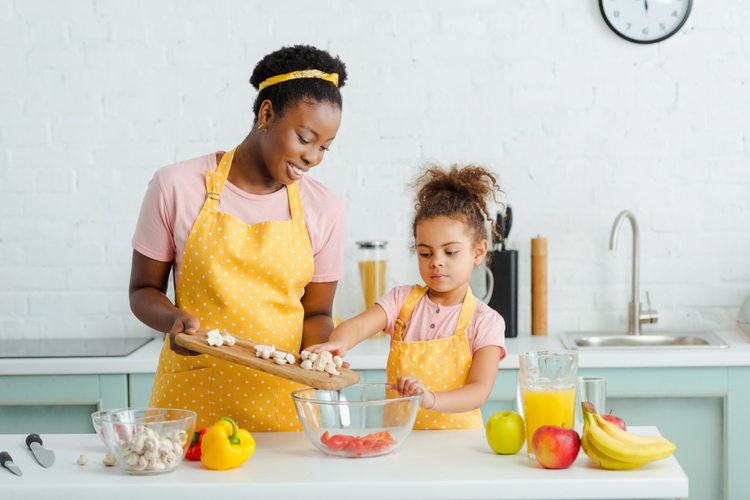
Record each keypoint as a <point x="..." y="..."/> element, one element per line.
<point x="228" y="339"/>
<point x="82" y="460"/>
<point x="313" y="356"/>
<point x="109" y="460"/>
<point x="170" y="459"/>
<point x="178" y="437"/>
<point x="165" y="446"/>
<point x="291" y="358"/>
<point x="319" y="364"/>
<point x="156" y="464"/>
<point x="214" y="338"/>
<point x="132" y="458"/>
<point x="151" y="443"/>
<point x="306" y="364"/>
<point x="338" y="361"/>
<point x="331" y="368"/>
<point x="177" y="449"/>
<point x="305" y="355"/>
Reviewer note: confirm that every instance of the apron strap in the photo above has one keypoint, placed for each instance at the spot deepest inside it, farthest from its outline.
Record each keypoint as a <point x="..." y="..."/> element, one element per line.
<point x="407" y="308"/>
<point x="215" y="185"/>
<point x="417" y="293"/>
<point x="295" y="203"/>
<point x="215" y="180"/>
<point x="467" y="312"/>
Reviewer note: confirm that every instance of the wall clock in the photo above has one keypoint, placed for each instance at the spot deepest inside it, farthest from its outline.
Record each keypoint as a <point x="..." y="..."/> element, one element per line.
<point x="645" y="21"/>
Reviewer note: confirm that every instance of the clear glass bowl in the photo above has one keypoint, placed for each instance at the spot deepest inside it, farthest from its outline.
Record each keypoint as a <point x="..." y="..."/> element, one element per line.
<point x="357" y="421"/>
<point x="96" y="419"/>
<point x="147" y="441"/>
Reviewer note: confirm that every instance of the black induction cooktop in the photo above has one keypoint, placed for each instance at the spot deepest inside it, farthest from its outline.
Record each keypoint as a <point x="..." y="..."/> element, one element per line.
<point x="70" y="348"/>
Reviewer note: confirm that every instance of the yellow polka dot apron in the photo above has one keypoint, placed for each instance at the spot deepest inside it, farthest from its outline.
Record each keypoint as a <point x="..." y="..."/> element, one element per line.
<point x="442" y="364"/>
<point x="247" y="280"/>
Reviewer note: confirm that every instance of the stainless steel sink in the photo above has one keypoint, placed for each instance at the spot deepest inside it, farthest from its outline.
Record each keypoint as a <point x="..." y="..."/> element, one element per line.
<point x="651" y="340"/>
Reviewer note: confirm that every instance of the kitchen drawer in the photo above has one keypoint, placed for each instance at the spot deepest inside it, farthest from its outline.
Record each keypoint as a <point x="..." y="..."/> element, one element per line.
<point x="57" y="404"/>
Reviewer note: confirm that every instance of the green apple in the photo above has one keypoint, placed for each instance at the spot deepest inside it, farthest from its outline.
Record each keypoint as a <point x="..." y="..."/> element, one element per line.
<point x="506" y="432"/>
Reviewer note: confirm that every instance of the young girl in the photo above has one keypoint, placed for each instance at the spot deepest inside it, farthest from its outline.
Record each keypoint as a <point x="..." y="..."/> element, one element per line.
<point x="444" y="342"/>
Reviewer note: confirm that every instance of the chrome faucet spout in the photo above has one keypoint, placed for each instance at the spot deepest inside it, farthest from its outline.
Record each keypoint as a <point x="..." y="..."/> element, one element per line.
<point x="634" y="324"/>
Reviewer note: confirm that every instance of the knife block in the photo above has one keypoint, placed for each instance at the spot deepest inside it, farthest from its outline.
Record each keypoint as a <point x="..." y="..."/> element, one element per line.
<point x="504" y="300"/>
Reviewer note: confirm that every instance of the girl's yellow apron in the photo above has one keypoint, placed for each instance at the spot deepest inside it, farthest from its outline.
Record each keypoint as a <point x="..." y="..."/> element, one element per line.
<point x="248" y="281"/>
<point x="442" y="364"/>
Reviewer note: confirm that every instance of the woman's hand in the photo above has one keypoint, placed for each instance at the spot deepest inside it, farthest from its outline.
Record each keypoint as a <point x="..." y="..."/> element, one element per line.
<point x="408" y="386"/>
<point x="184" y="323"/>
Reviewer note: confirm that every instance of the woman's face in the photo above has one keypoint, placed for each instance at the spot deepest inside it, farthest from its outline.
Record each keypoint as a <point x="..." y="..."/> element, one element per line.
<point x="297" y="140"/>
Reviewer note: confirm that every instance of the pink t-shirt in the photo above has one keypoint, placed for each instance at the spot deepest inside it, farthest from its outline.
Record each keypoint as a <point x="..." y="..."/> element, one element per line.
<point x="487" y="327"/>
<point x="177" y="192"/>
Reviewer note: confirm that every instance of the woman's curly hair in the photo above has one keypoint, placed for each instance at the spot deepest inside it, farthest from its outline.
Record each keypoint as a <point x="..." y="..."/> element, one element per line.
<point x="291" y="92"/>
<point x="460" y="193"/>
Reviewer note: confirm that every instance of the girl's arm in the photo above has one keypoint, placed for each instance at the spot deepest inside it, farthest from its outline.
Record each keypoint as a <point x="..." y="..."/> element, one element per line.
<point x="471" y="396"/>
<point x="353" y="331"/>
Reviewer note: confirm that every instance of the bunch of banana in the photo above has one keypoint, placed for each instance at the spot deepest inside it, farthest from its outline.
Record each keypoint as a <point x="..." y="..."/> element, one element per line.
<point x="613" y="448"/>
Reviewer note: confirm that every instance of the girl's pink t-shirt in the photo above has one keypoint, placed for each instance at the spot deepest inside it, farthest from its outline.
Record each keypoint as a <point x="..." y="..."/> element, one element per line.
<point x="431" y="321"/>
<point x="176" y="194"/>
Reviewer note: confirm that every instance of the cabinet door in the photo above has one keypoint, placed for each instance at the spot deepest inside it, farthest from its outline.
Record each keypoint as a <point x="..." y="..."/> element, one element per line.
<point x="57" y="404"/>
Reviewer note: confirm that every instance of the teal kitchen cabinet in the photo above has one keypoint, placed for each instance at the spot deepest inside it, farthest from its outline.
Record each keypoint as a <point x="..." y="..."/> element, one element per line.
<point x="57" y="404"/>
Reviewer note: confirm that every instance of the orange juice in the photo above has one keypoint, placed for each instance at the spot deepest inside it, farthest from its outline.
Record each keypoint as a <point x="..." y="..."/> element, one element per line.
<point x="546" y="406"/>
<point x="372" y="273"/>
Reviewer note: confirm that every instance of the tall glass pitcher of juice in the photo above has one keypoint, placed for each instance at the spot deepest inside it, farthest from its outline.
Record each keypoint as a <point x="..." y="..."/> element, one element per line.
<point x="547" y="390"/>
<point x="372" y="264"/>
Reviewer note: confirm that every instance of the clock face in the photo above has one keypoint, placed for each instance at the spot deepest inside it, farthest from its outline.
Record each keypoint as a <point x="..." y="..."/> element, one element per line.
<point x="645" y="21"/>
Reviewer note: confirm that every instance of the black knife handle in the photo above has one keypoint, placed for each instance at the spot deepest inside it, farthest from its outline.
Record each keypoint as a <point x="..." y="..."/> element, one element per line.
<point x="5" y="458"/>
<point x="33" y="438"/>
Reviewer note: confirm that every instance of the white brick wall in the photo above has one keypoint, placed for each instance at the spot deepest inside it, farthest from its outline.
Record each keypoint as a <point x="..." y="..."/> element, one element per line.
<point x="95" y="95"/>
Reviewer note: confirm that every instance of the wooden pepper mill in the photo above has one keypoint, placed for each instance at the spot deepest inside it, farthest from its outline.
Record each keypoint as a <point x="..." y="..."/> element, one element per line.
<point x="539" y="286"/>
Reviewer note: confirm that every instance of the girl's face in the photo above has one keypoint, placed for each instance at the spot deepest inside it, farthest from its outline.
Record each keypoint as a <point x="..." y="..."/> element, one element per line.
<point x="446" y="254"/>
<point x="297" y="140"/>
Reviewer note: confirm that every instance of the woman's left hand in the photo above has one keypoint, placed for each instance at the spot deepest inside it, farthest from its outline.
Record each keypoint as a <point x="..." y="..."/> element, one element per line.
<point x="408" y="386"/>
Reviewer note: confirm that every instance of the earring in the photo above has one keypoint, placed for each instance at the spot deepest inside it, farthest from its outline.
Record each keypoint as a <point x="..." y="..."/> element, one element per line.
<point x="262" y="127"/>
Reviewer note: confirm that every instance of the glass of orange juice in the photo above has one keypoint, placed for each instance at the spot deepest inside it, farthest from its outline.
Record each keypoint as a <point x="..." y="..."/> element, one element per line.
<point x="547" y="390"/>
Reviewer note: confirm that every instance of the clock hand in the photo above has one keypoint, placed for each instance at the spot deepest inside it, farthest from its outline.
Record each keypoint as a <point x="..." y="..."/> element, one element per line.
<point x="646" y="2"/>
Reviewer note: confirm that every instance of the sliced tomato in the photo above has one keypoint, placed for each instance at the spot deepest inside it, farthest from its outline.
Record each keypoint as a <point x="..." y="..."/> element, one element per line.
<point x="379" y="447"/>
<point x="338" y="441"/>
<point x="357" y="446"/>
<point x="325" y="437"/>
<point x="384" y="436"/>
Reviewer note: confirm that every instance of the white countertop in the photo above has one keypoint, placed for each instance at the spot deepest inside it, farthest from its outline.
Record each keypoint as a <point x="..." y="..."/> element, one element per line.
<point x="430" y="465"/>
<point x="372" y="355"/>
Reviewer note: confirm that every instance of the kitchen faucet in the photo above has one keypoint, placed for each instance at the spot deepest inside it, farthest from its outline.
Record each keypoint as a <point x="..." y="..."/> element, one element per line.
<point x="635" y="317"/>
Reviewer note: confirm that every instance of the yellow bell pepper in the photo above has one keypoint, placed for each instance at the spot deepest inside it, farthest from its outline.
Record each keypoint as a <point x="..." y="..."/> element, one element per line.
<point x="225" y="446"/>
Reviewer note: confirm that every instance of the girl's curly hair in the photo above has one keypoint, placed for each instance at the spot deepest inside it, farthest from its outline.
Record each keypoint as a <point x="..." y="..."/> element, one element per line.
<point x="460" y="193"/>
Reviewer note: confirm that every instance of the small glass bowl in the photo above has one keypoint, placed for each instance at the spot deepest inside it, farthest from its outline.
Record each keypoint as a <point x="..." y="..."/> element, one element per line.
<point x="148" y="441"/>
<point x="96" y="419"/>
<point x="356" y="422"/>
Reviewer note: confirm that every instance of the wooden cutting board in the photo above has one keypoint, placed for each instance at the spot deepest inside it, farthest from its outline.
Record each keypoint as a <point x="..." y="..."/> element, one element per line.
<point x="243" y="353"/>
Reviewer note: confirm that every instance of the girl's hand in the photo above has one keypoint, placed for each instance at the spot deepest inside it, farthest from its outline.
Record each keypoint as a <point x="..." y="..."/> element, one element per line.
<point x="183" y="323"/>
<point x="408" y="386"/>
<point x="335" y="346"/>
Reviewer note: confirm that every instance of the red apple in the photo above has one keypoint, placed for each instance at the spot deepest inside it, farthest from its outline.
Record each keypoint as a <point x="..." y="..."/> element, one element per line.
<point x="555" y="447"/>
<point x="615" y="420"/>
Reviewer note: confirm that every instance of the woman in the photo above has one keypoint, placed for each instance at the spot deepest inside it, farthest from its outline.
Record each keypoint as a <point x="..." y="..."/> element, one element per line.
<point x="255" y="245"/>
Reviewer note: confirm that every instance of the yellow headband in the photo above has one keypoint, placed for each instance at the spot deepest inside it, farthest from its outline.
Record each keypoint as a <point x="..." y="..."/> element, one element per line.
<point x="306" y="73"/>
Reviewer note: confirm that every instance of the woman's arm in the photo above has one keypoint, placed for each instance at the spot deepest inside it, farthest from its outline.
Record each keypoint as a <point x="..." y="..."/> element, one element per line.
<point x="318" y="304"/>
<point x="148" y="301"/>
<point x="471" y="396"/>
<point x="353" y="331"/>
